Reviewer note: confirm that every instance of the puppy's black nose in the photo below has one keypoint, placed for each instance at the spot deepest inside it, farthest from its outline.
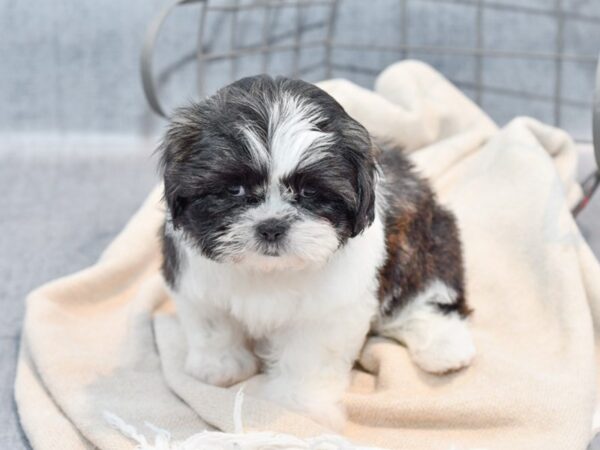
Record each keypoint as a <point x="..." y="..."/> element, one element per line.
<point x="272" y="230"/>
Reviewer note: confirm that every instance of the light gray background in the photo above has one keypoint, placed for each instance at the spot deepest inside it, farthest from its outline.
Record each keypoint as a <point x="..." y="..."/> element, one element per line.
<point x="76" y="135"/>
<point x="71" y="66"/>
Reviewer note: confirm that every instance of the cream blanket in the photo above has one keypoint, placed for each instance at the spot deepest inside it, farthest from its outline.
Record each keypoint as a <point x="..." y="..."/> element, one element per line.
<point x="106" y="338"/>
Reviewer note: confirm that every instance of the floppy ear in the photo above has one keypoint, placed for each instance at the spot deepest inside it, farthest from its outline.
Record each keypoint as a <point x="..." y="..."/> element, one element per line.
<point x="361" y="153"/>
<point x="175" y="202"/>
<point x="365" y="190"/>
<point x="182" y="132"/>
<point x="177" y="205"/>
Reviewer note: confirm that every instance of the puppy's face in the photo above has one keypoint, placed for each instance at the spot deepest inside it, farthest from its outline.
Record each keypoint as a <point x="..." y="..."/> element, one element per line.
<point x="271" y="174"/>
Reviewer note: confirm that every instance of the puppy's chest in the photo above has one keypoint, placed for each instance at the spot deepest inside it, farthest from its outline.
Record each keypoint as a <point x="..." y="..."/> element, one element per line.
<point x="266" y="302"/>
<point x="265" y="306"/>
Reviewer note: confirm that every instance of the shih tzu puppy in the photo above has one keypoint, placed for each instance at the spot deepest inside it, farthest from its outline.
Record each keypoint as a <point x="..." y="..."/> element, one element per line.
<point x="290" y="235"/>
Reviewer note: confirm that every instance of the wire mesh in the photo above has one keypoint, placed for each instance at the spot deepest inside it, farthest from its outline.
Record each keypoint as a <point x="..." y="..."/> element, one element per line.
<point x="311" y="27"/>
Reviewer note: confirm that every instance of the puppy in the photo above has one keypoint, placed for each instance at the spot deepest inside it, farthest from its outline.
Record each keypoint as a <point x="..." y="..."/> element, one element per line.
<point x="290" y="235"/>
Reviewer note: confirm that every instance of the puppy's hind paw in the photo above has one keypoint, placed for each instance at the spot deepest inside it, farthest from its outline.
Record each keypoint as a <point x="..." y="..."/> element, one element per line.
<point x="446" y="350"/>
<point x="221" y="367"/>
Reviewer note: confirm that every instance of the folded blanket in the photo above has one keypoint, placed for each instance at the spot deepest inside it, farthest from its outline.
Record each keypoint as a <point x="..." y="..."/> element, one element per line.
<point x="107" y="338"/>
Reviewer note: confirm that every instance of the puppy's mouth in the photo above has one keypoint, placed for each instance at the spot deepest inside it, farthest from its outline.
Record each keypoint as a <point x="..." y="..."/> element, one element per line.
<point x="273" y="250"/>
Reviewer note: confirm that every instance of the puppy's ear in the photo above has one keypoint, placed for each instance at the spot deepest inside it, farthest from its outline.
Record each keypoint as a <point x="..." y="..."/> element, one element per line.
<point x="362" y="154"/>
<point x="365" y="189"/>
<point x="176" y="203"/>
<point x="174" y="150"/>
<point x="177" y="206"/>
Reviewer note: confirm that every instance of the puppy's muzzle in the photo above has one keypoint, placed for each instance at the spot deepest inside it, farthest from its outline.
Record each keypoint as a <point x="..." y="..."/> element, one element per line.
<point x="272" y="231"/>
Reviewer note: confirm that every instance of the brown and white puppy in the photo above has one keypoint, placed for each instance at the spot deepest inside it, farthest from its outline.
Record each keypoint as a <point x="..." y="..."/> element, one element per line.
<point x="290" y="235"/>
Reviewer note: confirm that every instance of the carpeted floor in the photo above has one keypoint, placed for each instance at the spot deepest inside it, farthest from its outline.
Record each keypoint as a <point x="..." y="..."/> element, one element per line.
<point x="61" y="208"/>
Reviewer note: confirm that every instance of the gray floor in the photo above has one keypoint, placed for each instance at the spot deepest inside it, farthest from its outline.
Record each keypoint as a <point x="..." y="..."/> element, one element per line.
<point x="59" y="211"/>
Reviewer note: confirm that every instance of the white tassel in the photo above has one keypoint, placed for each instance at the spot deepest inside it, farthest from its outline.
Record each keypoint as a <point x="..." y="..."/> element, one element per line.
<point x="239" y="440"/>
<point x="127" y="430"/>
<point x="238" y="424"/>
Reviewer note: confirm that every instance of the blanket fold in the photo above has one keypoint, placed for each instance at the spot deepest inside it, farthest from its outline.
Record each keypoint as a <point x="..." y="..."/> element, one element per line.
<point x="107" y="338"/>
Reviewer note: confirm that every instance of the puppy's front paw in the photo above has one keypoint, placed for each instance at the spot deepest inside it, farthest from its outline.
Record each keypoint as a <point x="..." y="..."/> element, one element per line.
<point x="221" y="368"/>
<point x="445" y="350"/>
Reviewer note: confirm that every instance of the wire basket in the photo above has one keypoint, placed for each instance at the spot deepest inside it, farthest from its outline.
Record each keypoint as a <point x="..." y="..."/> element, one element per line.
<point x="305" y="39"/>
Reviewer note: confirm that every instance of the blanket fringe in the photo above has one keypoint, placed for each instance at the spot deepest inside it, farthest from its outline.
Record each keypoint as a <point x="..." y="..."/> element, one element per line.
<point x="239" y="440"/>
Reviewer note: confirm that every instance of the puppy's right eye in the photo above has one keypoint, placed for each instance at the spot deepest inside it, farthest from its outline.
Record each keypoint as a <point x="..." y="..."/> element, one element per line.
<point x="308" y="192"/>
<point x="236" y="191"/>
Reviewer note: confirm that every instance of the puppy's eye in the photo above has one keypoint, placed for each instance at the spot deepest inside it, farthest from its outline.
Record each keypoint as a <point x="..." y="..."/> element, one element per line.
<point x="236" y="191"/>
<point x="307" y="192"/>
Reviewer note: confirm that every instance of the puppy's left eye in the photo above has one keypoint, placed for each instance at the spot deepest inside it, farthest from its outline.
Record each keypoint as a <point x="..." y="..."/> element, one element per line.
<point x="308" y="192"/>
<point x="237" y="191"/>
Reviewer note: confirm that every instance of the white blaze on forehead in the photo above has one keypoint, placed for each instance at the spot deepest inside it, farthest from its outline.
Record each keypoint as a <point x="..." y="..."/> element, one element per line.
<point x="292" y="133"/>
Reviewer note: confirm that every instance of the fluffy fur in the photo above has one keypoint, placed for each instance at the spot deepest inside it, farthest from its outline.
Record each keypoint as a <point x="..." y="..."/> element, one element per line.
<point x="290" y="235"/>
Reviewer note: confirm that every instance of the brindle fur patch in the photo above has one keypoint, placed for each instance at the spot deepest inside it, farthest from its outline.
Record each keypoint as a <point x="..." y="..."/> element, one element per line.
<point x="422" y="240"/>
